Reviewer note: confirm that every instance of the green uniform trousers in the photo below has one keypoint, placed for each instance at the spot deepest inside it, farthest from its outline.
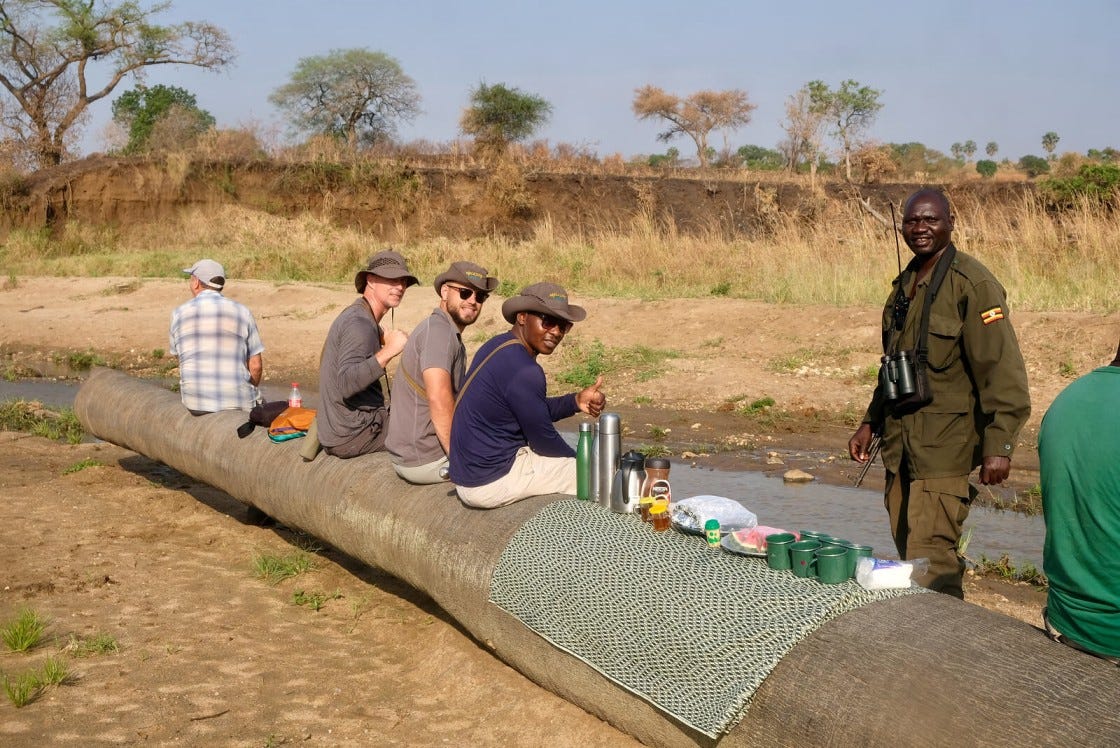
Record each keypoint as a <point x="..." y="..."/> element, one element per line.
<point x="926" y="520"/>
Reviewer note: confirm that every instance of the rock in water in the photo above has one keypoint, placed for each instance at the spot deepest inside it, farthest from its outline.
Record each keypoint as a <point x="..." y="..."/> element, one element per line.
<point x="797" y="476"/>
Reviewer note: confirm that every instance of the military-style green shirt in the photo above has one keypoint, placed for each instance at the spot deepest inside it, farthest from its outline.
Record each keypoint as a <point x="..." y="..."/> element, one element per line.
<point x="976" y="375"/>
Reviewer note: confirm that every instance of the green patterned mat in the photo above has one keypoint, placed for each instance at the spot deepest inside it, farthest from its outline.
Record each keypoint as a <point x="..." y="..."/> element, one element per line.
<point x="691" y="629"/>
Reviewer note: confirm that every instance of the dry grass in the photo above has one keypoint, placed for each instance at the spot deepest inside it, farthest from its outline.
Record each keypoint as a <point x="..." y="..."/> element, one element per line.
<point x="827" y="253"/>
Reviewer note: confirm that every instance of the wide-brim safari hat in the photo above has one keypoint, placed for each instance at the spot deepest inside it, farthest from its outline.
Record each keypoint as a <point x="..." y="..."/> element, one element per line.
<point x="544" y="298"/>
<point x="467" y="274"/>
<point x="387" y="263"/>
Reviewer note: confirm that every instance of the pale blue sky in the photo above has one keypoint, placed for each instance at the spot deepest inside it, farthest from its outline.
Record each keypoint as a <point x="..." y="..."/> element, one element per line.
<point x="950" y="71"/>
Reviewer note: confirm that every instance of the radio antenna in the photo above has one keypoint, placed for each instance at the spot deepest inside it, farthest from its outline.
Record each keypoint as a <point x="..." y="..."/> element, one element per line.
<point x="897" y="248"/>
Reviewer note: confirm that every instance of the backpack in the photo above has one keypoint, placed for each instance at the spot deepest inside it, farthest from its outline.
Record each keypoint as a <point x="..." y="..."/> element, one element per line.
<point x="292" y="423"/>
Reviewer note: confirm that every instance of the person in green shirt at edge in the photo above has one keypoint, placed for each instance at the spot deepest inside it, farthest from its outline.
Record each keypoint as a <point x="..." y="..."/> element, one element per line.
<point x="1079" y="460"/>
<point x="978" y="387"/>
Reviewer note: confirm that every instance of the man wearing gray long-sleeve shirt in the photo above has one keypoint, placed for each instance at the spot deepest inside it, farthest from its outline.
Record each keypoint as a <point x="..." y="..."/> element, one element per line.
<point x="352" y="414"/>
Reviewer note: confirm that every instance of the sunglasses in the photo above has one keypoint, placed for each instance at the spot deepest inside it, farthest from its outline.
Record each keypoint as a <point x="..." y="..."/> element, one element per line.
<point x="466" y="293"/>
<point x="548" y="322"/>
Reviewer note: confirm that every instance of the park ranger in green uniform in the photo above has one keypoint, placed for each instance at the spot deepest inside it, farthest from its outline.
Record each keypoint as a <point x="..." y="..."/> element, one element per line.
<point x="977" y="394"/>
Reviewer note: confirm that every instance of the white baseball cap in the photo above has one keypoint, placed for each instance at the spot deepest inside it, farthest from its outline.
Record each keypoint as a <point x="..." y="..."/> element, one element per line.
<point x="209" y="273"/>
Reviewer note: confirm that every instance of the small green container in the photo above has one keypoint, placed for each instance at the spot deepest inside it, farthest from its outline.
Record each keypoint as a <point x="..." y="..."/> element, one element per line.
<point x="711" y="532"/>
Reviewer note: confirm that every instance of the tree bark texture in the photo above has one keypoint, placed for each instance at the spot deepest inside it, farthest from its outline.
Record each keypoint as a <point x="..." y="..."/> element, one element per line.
<point x="919" y="670"/>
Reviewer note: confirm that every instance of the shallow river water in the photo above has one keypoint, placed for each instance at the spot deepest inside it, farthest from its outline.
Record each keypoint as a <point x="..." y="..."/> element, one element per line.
<point x="850" y="513"/>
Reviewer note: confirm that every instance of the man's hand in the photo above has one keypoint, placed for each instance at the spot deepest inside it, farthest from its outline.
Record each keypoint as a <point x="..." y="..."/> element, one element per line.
<point x="394" y="342"/>
<point x="860" y="443"/>
<point x="995" y="470"/>
<point x="591" y="401"/>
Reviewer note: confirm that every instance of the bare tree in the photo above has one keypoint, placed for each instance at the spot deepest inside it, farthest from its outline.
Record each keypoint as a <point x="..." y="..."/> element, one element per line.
<point x="696" y="115"/>
<point x="804" y="127"/>
<point x="46" y="69"/>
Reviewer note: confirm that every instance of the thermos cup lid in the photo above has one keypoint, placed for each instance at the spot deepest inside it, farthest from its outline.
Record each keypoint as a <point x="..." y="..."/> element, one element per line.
<point x="609" y="423"/>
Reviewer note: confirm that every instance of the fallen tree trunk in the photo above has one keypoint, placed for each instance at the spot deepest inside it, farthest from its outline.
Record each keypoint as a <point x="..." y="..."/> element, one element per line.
<point x="922" y="669"/>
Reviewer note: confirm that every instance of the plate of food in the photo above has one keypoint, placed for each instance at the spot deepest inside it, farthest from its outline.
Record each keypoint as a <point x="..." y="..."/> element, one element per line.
<point x="729" y="544"/>
<point x="750" y="541"/>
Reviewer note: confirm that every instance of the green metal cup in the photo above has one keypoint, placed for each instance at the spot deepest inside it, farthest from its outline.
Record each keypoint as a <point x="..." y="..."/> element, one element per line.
<point x="777" y="550"/>
<point x="803" y="558"/>
<point x="854" y="552"/>
<point x="814" y="535"/>
<point x="832" y="565"/>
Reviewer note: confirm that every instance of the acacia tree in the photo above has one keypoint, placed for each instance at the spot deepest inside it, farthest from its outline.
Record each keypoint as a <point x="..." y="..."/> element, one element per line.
<point x="1049" y="143"/>
<point x="804" y="128"/>
<point x="355" y="94"/>
<point x="141" y="109"/>
<point x="851" y="108"/>
<point x="46" y="69"/>
<point x="696" y="115"/>
<point x="499" y="115"/>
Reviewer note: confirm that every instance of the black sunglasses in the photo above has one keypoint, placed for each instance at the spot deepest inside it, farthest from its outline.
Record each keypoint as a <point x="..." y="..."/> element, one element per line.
<point x="548" y="322"/>
<point x="466" y="293"/>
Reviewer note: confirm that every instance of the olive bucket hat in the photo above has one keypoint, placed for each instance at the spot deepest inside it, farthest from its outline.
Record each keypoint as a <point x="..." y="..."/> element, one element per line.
<point x="545" y="298"/>
<point x="467" y="274"/>
<point x="387" y="263"/>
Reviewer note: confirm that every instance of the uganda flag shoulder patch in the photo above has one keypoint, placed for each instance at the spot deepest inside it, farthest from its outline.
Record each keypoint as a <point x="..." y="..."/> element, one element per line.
<point x="995" y="314"/>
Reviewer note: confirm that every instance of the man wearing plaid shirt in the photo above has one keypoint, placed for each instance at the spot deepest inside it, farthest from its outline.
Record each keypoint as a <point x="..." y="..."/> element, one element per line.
<point x="218" y="346"/>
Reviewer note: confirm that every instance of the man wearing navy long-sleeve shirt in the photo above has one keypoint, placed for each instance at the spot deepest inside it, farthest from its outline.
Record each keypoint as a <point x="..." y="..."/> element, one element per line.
<point x="504" y="446"/>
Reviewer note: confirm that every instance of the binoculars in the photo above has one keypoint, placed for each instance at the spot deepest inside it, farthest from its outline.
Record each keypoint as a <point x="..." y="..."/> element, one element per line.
<point x="896" y="376"/>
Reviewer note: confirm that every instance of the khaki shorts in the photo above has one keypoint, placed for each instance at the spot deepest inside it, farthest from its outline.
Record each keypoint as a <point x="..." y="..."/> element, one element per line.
<point x="530" y="475"/>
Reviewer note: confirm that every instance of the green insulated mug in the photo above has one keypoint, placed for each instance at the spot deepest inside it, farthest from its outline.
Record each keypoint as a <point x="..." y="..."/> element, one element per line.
<point x="855" y="551"/>
<point x="832" y="565"/>
<point x="803" y="558"/>
<point x="777" y="549"/>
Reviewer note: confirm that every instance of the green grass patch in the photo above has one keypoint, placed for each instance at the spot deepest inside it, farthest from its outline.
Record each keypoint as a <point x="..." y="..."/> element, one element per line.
<point x="32" y="418"/>
<point x="100" y="643"/>
<point x="658" y="434"/>
<point x="314" y="600"/>
<point x="723" y="288"/>
<point x="275" y="569"/>
<point x="22" y="689"/>
<point x="79" y="360"/>
<point x="1003" y="568"/>
<point x="586" y="362"/>
<point x="756" y="407"/>
<point x="789" y="363"/>
<point x="54" y="672"/>
<point x="654" y="450"/>
<point x="642" y="400"/>
<point x="590" y="362"/>
<point x="81" y="465"/>
<point x="24" y="632"/>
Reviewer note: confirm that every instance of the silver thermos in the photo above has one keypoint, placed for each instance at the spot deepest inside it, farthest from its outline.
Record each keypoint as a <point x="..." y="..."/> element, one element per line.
<point x="627" y="489"/>
<point x="608" y="443"/>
